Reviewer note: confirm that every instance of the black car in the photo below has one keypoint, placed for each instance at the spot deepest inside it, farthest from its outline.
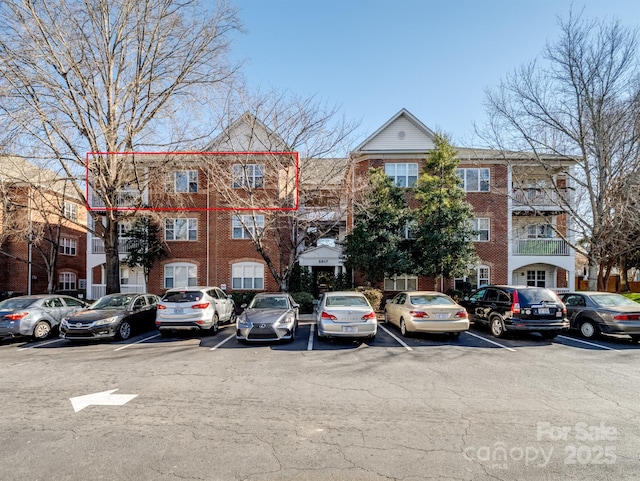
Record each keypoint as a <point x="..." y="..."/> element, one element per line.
<point x="517" y="308"/>
<point x="114" y="316"/>
<point x="593" y="313"/>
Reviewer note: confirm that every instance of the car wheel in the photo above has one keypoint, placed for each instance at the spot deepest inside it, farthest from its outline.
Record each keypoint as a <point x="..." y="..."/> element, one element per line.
<point x="588" y="329"/>
<point x="386" y="317"/>
<point x="403" y="328"/>
<point x="232" y="317"/>
<point x="124" y="330"/>
<point x="496" y="325"/>
<point x="41" y="330"/>
<point x="213" y="330"/>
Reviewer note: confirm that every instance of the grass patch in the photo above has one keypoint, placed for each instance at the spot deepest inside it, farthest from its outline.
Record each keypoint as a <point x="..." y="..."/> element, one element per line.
<point x="635" y="296"/>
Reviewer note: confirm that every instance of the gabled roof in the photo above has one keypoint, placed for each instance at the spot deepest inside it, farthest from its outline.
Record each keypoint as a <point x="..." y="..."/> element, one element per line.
<point x="248" y="134"/>
<point x="19" y="171"/>
<point x="401" y="133"/>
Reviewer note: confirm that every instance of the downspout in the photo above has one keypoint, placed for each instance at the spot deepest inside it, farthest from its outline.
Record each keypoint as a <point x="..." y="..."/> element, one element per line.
<point x="30" y="244"/>
<point x="208" y="220"/>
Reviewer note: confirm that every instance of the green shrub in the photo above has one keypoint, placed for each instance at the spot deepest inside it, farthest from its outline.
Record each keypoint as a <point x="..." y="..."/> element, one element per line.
<point x="242" y="297"/>
<point x="304" y="300"/>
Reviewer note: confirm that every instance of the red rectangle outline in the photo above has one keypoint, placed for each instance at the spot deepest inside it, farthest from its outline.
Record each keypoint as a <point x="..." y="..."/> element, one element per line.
<point x="194" y="209"/>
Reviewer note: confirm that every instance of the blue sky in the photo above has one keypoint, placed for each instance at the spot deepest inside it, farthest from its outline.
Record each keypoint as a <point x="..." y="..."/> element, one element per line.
<point x="374" y="57"/>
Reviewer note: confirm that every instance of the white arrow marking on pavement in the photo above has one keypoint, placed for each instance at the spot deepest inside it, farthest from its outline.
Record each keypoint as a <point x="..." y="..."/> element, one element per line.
<point x="106" y="398"/>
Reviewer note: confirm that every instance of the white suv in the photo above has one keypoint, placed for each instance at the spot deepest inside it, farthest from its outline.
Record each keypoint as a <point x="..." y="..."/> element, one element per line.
<point x="194" y="309"/>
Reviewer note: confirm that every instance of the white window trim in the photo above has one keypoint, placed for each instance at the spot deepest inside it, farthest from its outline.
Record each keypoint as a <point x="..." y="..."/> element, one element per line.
<point x="67" y="281"/>
<point x="192" y="226"/>
<point x="409" y="165"/>
<point x="462" y="173"/>
<point x="404" y="278"/>
<point x="190" y="280"/>
<point x="245" y="175"/>
<point x="239" y="282"/>
<point x="68" y="246"/>
<point x="246" y="223"/>
<point x="191" y="177"/>
<point x="70" y="210"/>
<point x="476" y="227"/>
<point x="482" y="280"/>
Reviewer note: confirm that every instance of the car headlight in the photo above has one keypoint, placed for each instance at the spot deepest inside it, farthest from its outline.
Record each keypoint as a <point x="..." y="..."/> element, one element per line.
<point x="242" y="322"/>
<point x="284" y="322"/>
<point x="64" y="322"/>
<point x="104" y="322"/>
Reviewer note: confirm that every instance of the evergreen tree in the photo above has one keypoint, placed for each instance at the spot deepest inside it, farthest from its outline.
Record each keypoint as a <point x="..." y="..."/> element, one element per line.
<point x="442" y="246"/>
<point x="377" y="246"/>
<point x="145" y="245"/>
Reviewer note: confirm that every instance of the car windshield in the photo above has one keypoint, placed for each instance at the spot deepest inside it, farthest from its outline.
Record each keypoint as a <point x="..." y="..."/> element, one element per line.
<point x="429" y="300"/>
<point x="528" y="297"/>
<point x="346" y="301"/>
<point x="112" y="302"/>
<point x="182" y="296"/>
<point x="613" y="300"/>
<point x="17" y="303"/>
<point x="269" y="303"/>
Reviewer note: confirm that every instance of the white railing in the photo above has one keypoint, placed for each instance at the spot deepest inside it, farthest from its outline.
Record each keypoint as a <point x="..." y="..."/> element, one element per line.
<point x="99" y="290"/>
<point x="559" y="290"/>
<point x="538" y="198"/>
<point x="540" y="247"/>
<point x="126" y="198"/>
<point x="124" y="245"/>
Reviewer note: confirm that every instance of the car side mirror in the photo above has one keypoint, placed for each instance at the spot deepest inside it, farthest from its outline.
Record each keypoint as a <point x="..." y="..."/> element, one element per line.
<point x="295" y="306"/>
<point x="244" y="306"/>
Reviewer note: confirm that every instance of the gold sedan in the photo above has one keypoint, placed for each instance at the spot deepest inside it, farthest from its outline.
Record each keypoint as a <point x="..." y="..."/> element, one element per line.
<point x="426" y="311"/>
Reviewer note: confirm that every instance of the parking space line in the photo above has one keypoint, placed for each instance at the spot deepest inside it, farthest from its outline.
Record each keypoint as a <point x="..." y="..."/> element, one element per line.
<point x="222" y="342"/>
<point x="400" y="341"/>
<point x="137" y="342"/>
<point x="310" y="343"/>
<point x="589" y="343"/>
<point x="490" y="341"/>
<point x="39" y="344"/>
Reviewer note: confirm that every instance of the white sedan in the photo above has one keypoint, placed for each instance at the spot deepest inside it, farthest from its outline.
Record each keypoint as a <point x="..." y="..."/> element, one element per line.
<point x="345" y="314"/>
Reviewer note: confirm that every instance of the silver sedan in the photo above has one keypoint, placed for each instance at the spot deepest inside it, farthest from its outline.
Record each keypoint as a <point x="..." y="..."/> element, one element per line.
<point x="346" y="314"/>
<point x="268" y="317"/>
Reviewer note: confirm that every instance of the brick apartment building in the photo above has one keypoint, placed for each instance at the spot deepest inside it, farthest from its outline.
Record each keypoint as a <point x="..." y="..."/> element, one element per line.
<point x="42" y="231"/>
<point x="210" y="246"/>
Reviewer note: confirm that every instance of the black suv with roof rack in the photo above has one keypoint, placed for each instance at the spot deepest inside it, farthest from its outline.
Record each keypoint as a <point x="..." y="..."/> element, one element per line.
<point x="517" y="308"/>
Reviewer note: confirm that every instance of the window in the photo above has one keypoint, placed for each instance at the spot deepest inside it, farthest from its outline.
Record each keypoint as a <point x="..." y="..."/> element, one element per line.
<point x="180" y="229"/>
<point x="249" y="175"/>
<point x="244" y="226"/>
<point x="68" y="246"/>
<point x="182" y="181"/>
<point x="180" y="274"/>
<point x="67" y="281"/>
<point x="481" y="226"/>
<point x="479" y="277"/>
<point x="401" y="283"/>
<point x="410" y="230"/>
<point x="70" y="211"/>
<point x="403" y="175"/>
<point x="474" y="180"/>
<point x="134" y="277"/>
<point x="247" y="275"/>
<point x="536" y="278"/>
<point x="539" y="231"/>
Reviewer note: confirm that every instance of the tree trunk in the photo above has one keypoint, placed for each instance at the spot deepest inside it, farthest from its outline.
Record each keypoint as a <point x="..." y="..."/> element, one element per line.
<point x="111" y="255"/>
<point x="594" y="269"/>
<point x="624" y="278"/>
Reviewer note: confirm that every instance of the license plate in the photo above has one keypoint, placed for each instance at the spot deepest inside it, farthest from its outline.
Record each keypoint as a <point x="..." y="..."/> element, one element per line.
<point x="177" y="310"/>
<point x="349" y="329"/>
<point x="441" y="316"/>
<point x="543" y="310"/>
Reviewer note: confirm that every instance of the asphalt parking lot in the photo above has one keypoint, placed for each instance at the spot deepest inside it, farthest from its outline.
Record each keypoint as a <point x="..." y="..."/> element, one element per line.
<point x="426" y="407"/>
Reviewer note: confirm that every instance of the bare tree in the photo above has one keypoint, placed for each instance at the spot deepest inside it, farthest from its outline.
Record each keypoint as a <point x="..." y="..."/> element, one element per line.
<point x="580" y="105"/>
<point x="106" y="76"/>
<point x="291" y="202"/>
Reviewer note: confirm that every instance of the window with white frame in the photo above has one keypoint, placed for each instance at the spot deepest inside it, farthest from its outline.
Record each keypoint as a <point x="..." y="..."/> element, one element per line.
<point x="247" y="275"/>
<point x="474" y="180"/>
<point x="131" y="277"/>
<point x="248" y="175"/>
<point x="182" y="181"/>
<point x="403" y="175"/>
<point x="180" y="274"/>
<point x="539" y="231"/>
<point x="67" y="281"/>
<point x="537" y="278"/>
<point x="401" y="283"/>
<point x="477" y="278"/>
<point x="70" y="210"/>
<point x="481" y="226"/>
<point x="410" y="230"/>
<point x="244" y="226"/>
<point x="181" y="229"/>
<point x="68" y="246"/>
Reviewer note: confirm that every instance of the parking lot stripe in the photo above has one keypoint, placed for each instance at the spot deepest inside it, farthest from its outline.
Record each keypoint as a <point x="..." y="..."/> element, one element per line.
<point x="589" y="343"/>
<point x="310" y="343"/>
<point x="39" y="344"/>
<point x="222" y="342"/>
<point x="490" y="341"/>
<point x="400" y="341"/>
<point x="137" y="342"/>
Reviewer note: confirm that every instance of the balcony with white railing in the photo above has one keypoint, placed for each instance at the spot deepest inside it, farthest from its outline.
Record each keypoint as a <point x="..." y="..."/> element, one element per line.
<point x="540" y="247"/>
<point x="541" y="199"/>
<point x="129" y="198"/>
<point x="99" y="290"/>
<point x="124" y="245"/>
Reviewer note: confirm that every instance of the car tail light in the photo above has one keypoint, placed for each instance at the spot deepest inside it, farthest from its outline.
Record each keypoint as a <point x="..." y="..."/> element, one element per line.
<point x="16" y="316"/>
<point x="515" y="305"/>
<point x="461" y="314"/>
<point x="419" y="314"/>
<point x="564" y="308"/>
<point x="370" y="315"/>
<point x="326" y="315"/>
<point x="627" y="317"/>
<point x="202" y="305"/>
<point x="160" y="306"/>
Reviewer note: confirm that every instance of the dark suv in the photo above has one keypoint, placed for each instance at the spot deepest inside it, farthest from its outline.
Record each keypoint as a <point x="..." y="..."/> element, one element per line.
<point x="518" y="308"/>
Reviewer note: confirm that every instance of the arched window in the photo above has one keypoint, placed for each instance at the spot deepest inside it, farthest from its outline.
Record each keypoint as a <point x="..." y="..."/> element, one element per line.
<point x="180" y="274"/>
<point x="247" y="275"/>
